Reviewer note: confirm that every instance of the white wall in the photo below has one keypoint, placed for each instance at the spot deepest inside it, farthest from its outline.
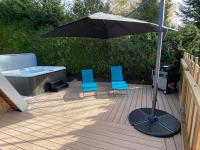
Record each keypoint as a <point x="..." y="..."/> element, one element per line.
<point x="17" y="61"/>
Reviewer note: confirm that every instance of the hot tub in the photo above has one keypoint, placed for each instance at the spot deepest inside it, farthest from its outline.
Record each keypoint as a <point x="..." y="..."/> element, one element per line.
<point x="31" y="81"/>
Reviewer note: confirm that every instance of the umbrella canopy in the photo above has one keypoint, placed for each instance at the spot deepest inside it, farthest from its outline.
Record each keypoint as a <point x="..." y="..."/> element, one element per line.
<point x="104" y="26"/>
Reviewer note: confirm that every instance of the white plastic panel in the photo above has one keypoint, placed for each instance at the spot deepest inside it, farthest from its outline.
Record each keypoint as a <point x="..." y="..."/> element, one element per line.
<point x="12" y="94"/>
<point x="17" y="61"/>
<point x="32" y="71"/>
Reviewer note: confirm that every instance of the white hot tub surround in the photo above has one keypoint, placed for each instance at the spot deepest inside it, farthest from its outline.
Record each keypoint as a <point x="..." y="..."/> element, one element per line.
<point x="22" y="72"/>
<point x="17" y="61"/>
<point x="32" y="71"/>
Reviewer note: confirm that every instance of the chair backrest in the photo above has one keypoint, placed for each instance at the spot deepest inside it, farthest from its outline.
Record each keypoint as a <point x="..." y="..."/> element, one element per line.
<point x="116" y="73"/>
<point x="87" y="76"/>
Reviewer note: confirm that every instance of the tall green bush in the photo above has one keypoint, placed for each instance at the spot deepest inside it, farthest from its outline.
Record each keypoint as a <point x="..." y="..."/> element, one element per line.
<point x="187" y="39"/>
<point x="135" y="53"/>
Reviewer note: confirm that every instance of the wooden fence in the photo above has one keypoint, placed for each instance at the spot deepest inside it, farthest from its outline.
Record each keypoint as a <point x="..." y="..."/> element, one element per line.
<point x="190" y="102"/>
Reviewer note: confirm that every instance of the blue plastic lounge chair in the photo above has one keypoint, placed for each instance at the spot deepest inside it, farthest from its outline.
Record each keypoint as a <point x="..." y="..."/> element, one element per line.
<point x="88" y="84"/>
<point x="117" y="79"/>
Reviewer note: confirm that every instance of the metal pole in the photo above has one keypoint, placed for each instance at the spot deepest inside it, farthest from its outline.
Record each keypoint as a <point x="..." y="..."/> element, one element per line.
<point x="158" y="55"/>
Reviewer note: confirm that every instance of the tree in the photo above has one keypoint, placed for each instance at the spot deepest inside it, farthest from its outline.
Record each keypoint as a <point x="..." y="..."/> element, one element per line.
<point x="122" y="7"/>
<point x="169" y="13"/>
<point x="190" y="11"/>
<point x="186" y="40"/>
<point x="23" y="21"/>
<point x="149" y="12"/>
<point x="37" y="13"/>
<point x="53" y="12"/>
<point x="83" y="8"/>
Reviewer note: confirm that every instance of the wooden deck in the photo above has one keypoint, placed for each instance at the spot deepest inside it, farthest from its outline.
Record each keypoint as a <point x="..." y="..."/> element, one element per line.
<point x="65" y="121"/>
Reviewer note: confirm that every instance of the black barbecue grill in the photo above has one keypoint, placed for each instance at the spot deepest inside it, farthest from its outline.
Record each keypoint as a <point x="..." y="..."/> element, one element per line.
<point x="168" y="78"/>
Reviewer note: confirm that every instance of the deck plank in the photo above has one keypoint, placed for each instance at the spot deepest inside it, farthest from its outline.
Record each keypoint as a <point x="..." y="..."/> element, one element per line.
<point x="57" y="121"/>
<point x="170" y="142"/>
<point x="134" y="100"/>
<point x="125" y="112"/>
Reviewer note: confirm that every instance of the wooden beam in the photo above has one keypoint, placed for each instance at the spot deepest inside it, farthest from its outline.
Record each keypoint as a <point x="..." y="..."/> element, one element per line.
<point x="4" y="107"/>
<point x="5" y="102"/>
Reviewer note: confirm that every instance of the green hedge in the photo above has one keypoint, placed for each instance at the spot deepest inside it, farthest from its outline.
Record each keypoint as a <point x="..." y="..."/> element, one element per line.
<point x="135" y="53"/>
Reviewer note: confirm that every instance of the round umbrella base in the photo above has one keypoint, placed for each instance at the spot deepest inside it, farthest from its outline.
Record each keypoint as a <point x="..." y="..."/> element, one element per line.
<point x="162" y="125"/>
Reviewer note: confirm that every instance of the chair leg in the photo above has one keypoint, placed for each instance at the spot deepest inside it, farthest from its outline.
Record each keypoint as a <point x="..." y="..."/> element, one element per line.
<point x="83" y="94"/>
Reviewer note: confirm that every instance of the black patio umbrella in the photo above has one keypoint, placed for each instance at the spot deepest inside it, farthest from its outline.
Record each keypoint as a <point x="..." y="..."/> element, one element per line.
<point x="150" y="121"/>
<point x="104" y="26"/>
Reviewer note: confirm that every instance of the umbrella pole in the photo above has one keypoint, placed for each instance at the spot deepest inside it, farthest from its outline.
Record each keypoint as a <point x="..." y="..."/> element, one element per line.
<point x="158" y="55"/>
<point x="152" y="121"/>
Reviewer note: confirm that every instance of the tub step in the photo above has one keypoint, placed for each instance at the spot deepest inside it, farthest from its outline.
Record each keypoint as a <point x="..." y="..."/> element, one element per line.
<point x="54" y="86"/>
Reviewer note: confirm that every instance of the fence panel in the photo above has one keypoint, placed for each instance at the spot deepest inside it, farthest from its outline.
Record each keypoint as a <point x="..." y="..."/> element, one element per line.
<point x="190" y="102"/>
